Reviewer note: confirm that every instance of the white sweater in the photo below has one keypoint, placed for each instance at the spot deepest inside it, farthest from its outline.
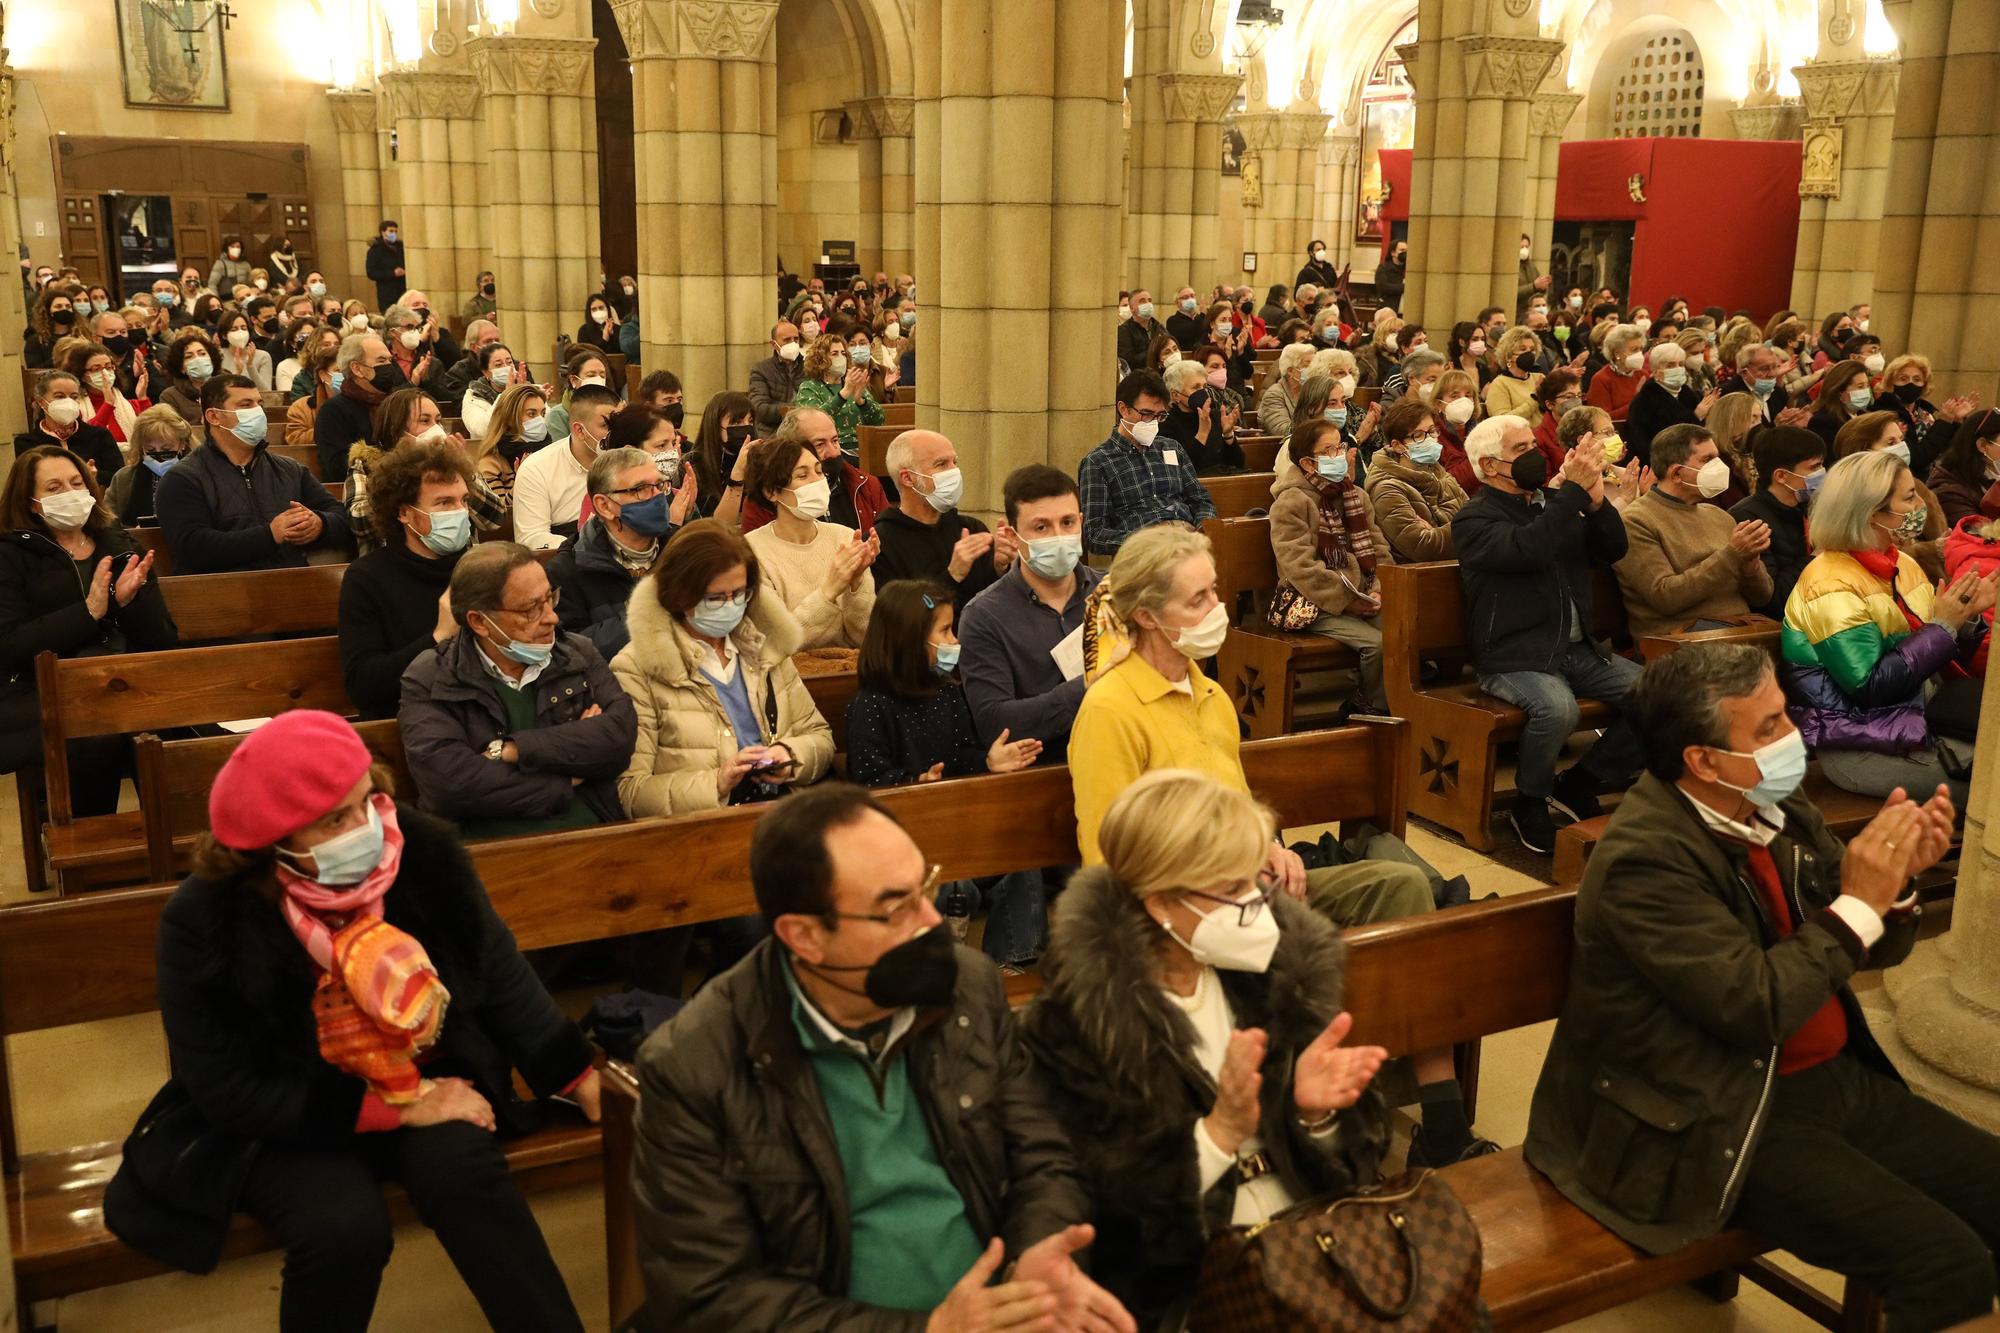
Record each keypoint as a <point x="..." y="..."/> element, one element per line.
<point x="796" y="572"/>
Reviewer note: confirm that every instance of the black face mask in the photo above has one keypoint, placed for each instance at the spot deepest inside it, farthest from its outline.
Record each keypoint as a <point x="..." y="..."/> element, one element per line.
<point x="1525" y="360"/>
<point x="920" y="972"/>
<point x="514" y="450"/>
<point x="675" y="413"/>
<point x="388" y="377"/>
<point x="119" y="345"/>
<point x="1909" y="393"/>
<point x="486" y="289"/>
<point x="62" y="319"/>
<point x="1531" y="471"/>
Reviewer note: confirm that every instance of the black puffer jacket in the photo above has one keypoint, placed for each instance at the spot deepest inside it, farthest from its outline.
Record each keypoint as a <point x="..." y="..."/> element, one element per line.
<point x="1525" y="567"/>
<point x="595" y="588"/>
<point x="737" y="1187"/>
<point x="1120" y="1058"/>
<point x="236" y="991"/>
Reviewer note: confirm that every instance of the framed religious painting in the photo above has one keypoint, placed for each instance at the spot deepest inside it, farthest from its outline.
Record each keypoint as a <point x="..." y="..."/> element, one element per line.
<point x="170" y="54"/>
<point x="1388" y="120"/>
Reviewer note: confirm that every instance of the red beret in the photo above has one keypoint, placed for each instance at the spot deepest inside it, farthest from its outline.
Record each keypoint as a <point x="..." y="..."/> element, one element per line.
<point x="286" y="774"/>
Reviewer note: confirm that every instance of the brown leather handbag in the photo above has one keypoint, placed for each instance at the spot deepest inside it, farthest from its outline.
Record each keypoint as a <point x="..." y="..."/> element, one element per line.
<point x="1401" y="1255"/>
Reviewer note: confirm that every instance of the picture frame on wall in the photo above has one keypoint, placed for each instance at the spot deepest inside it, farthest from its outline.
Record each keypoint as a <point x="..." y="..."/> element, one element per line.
<point x="171" y="55"/>
<point x="1234" y="145"/>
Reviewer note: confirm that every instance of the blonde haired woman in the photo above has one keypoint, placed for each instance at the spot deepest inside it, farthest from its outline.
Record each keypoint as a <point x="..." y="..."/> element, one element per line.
<point x="518" y="426"/>
<point x="840" y="390"/>
<point x="160" y="438"/>
<point x="1730" y="421"/>
<point x="1512" y="391"/>
<point x="1176" y="954"/>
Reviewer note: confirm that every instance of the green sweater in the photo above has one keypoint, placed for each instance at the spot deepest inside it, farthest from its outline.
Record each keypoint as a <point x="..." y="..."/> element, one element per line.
<point x="519" y="705"/>
<point x="848" y="416"/>
<point x="911" y="1239"/>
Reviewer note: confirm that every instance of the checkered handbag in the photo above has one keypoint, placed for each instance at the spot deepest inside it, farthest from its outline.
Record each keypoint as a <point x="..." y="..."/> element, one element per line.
<point x="1401" y="1255"/>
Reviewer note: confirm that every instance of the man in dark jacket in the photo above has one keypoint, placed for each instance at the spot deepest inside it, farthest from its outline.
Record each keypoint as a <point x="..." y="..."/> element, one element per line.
<point x="775" y="379"/>
<point x="368" y="375"/>
<point x="456" y="379"/>
<point x="631" y="519"/>
<point x="1136" y="334"/>
<point x="1791" y="463"/>
<point x="1525" y="555"/>
<point x="1711" y="1066"/>
<point x="845" y="1128"/>
<point x="926" y="536"/>
<point x="512" y="726"/>
<point x="1188" y="324"/>
<point x="1390" y="276"/>
<point x="232" y="504"/>
<point x="385" y="264"/>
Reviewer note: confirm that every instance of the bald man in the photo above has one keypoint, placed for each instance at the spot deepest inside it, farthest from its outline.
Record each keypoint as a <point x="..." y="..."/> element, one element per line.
<point x="925" y="536"/>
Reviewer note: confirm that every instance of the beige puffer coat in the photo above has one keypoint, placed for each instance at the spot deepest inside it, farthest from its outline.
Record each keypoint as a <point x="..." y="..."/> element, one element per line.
<point x="684" y="733"/>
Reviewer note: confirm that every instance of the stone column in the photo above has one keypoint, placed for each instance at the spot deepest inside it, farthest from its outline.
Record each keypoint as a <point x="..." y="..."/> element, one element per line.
<point x="1018" y="201"/>
<point x="541" y="142"/>
<point x="1850" y="115"/>
<point x="705" y="92"/>
<point x="437" y="155"/>
<point x="1339" y="179"/>
<point x="885" y="129"/>
<point x="360" y="181"/>
<point x="1479" y="64"/>
<point x="1179" y="98"/>
<point x="1548" y="116"/>
<point x="1286" y="146"/>
<point x="13" y="407"/>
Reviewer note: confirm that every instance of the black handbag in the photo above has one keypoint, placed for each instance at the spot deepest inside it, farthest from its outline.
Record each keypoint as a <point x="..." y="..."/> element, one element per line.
<point x="177" y="1183"/>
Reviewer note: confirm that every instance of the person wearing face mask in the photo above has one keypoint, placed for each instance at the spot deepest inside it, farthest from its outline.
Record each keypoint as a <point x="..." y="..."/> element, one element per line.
<point x="1623" y="374"/>
<point x="715" y="456"/>
<point x="385" y="264"/>
<point x="774" y="381"/>
<point x="584" y="365"/>
<point x="1454" y="405"/>
<point x="1966" y="477"/>
<point x="52" y="319"/>
<point x="1414" y="496"/>
<point x="1845" y="393"/>
<point x="1866" y="633"/>
<point x="188" y="363"/>
<point x="240" y="355"/>
<point x="1188" y="325"/>
<point x="633" y="513"/>
<point x="1327" y="545"/>
<point x="550" y="484"/>
<point x="1559" y="394"/>
<point x="1881" y="432"/>
<point x="61" y="420"/>
<point x="856" y="499"/>
<point x="1281" y="394"/>
<point x="343" y="1007"/>
<point x="1790" y="469"/>
<point x="496" y="370"/>
<point x="1533" y="284"/>
<point x="599" y="329"/>
<point x="480" y="305"/>
<point x="891" y="1204"/>
<point x="1138" y="332"/>
<point x="1421" y="368"/>
<point x="1665" y="399"/>
<point x="72" y="583"/>
<point x="230" y="266"/>
<point x="368" y="374"/>
<point x="1174" y="955"/>
<point x="1134" y="480"/>
<point x="159" y="441"/>
<point x="818" y="570"/>
<point x="1196" y="421"/>
<point x="926" y="537"/>
<point x="1525" y="554"/>
<point x="313" y="386"/>
<point x="510" y="725"/>
<point x="518" y="427"/>
<point x="1727" y="923"/>
<point x="1512" y="391"/>
<point x="393" y="603"/>
<point x="1905" y="385"/>
<point x="453" y="380"/>
<point x="833" y="385"/>
<point x="1690" y="565"/>
<point x="1410" y="339"/>
<point x="1317" y="270"/>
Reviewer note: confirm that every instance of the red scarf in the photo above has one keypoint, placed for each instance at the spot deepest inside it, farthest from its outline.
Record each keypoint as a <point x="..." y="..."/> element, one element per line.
<point x="1342" y="532"/>
<point x="1883" y="565"/>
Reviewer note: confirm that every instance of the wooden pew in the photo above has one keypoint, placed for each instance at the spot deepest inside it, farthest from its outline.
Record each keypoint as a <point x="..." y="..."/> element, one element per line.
<point x="258" y="602"/>
<point x="84" y="959"/>
<point x="875" y="442"/>
<point x="1457" y="726"/>
<point x="1260" y="452"/>
<point x="1237" y="495"/>
<point x="305" y="455"/>
<point x="155" y="540"/>
<point x="1763" y="634"/>
<point x="831" y="693"/>
<point x="900" y="415"/>
<point x="1260" y="666"/>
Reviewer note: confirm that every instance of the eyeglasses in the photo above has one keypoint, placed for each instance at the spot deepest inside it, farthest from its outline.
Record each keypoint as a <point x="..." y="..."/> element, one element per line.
<point x="534" y="610"/>
<point x="1428" y="437"/>
<point x="645" y="490"/>
<point x="1264" y="887"/>
<point x="1147" y="414"/>
<point x="715" y="601"/>
<point x="902" y="908"/>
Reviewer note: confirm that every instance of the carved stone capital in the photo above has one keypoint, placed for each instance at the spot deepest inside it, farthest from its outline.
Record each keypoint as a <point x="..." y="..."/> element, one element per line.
<point x="1835" y="89"/>
<point x="1200" y="97"/>
<point x="1260" y="130"/>
<point x="1549" y="113"/>
<point x="1507" y="66"/>
<point x="1771" y="120"/>
<point x="542" y="66"/>
<point x="727" y="29"/>
<point x="1407" y="53"/>
<point x="425" y="95"/>
<point x="1341" y="150"/>
<point x="883" y="117"/>
<point x="353" y="112"/>
<point x="1301" y="129"/>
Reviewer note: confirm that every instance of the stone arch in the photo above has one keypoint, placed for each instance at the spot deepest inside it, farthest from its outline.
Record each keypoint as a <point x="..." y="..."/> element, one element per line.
<point x="1341" y="43"/>
<point x="1730" y="35"/>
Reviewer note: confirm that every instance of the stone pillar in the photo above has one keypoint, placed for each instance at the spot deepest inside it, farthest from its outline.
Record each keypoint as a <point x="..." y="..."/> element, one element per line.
<point x="1286" y="146"/>
<point x="437" y="165"/>
<point x="1479" y="64"/>
<point x="1850" y="115"/>
<point x="360" y="182"/>
<point x="1548" y="116"/>
<point x="541" y="142"/>
<point x="1339" y="180"/>
<point x="1179" y="98"/>
<point x="1018" y="201"/>
<point x="705" y="93"/>
<point x="885" y="129"/>
<point x="13" y="407"/>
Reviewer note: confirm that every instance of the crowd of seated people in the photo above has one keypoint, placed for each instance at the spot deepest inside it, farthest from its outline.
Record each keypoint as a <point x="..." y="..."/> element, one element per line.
<point x="637" y="649"/>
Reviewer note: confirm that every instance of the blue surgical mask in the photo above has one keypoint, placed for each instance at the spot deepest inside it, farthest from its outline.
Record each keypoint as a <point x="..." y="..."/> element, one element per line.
<point x="159" y="467"/>
<point x="1762" y="388"/>
<point x="947" y="659"/>
<point x="718" y="622"/>
<point x="167" y="299"/>
<point x="1426" y="453"/>
<point x="198" y="368"/>
<point x="1813" y="483"/>
<point x="251" y="425"/>
<point x="1900" y="449"/>
<point x="334" y="381"/>
<point x="1337" y="415"/>
<point x="1860" y="399"/>
<point x="648" y="518"/>
<point x="350" y="857"/>
<point x="858" y="354"/>
<point x="909" y="318"/>
<point x="1782" y="764"/>
<point x="1053" y="557"/>
<point x="1188" y="306"/>
<point x="1331" y="469"/>
<point x="535" y="430"/>
<point x="451" y="531"/>
<point x="527" y="654"/>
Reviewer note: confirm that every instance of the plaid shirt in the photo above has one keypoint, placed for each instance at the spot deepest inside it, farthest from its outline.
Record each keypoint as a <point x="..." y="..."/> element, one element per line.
<point x="1125" y="488"/>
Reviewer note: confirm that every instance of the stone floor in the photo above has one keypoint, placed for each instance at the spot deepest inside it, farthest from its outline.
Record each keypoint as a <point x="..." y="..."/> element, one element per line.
<point x="123" y="1062"/>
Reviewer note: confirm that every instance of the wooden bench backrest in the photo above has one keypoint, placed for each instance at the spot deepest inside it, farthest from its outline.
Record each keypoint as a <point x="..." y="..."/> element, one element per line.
<point x="1244" y="561"/>
<point x="1423" y="612"/>
<point x="874" y="442"/>
<point x="154" y="540"/>
<point x="264" y="601"/>
<point x="900" y="415"/>
<point x="1763" y="635"/>
<point x="305" y="455"/>
<point x="831" y="693"/>
<point x="1238" y="495"/>
<point x="1260" y="452"/>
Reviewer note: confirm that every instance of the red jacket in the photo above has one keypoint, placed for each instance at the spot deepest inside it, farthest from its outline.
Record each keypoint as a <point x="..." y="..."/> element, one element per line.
<point x="1453" y="458"/>
<point x="1548" y="443"/>
<point x="863" y="489"/>
<point x="1965" y="549"/>
<point x="1614" y="392"/>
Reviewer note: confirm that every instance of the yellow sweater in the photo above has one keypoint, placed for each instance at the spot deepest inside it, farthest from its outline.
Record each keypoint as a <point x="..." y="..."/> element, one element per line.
<point x="1133" y="721"/>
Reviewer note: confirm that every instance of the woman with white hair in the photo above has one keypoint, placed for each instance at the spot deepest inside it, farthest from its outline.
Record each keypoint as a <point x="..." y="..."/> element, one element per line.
<point x="1175" y="955"/>
<point x="1281" y="395"/>
<point x="1615" y="385"/>
<point x="1665" y="399"/>
<point x="1194" y="416"/>
<point x="1866" y="638"/>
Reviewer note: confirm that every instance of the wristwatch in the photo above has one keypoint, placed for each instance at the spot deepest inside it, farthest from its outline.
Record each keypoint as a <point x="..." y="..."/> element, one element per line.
<point x="496" y="748"/>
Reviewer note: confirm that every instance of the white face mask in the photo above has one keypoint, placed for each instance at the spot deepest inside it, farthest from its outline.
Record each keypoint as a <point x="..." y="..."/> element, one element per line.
<point x="1862" y="326"/>
<point x="788" y="351"/>
<point x="1524" y="254"/>
<point x="1873" y="362"/>
<point x="1643" y="325"/>
<point x="598" y="380"/>
<point x="1424" y="392"/>
<point x="63" y="411"/>
<point x="837" y="366"/>
<point x="947" y="489"/>
<point x="410" y="338"/>
<point x="1458" y="411"/>
<point x="813" y="500"/>
<point x="1634" y="360"/>
<point x="433" y="435"/>
<point x="501" y="375"/>
<point x="358" y="322"/>
<point x="238" y="337"/>
<point x="1347" y="383"/>
<point x="1143" y="432"/>
<point x="67" y="510"/>
<point x="1223" y="941"/>
<point x="1202" y="639"/>
<point x="809" y="329"/>
<point x="1124" y="312"/>
<point x="1712" y="478"/>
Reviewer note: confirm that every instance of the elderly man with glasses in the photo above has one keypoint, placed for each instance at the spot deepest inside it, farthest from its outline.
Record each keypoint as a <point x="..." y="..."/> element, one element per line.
<point x="633" y="512"/>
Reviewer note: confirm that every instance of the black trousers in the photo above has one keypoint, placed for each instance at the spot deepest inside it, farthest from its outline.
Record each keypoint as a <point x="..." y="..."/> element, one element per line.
<point x="1858" y="1174"/>
<point x="327" y="1209"/>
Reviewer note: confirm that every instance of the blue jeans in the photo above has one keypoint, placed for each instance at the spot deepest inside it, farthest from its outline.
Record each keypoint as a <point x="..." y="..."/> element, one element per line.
<point x="1549" y="700"/>
<point x="1016" y="920"/>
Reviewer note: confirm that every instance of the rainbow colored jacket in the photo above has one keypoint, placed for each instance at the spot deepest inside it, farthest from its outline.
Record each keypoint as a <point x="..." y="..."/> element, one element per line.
<point x="1854" y="671"/>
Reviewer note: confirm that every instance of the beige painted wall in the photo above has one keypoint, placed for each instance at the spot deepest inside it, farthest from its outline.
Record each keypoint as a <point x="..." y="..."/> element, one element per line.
<point x="65" y="54"/>
<point x="819" y="190"/>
